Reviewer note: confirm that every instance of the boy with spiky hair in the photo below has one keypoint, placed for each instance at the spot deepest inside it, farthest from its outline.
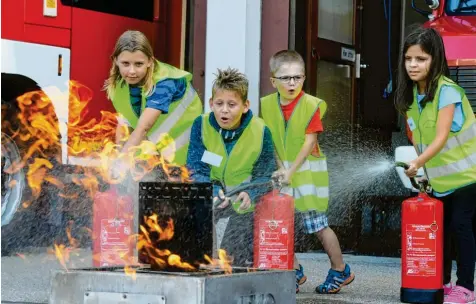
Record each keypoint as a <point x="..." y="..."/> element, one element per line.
<point x="294" y="119"/>
<point x="231" y="147"/>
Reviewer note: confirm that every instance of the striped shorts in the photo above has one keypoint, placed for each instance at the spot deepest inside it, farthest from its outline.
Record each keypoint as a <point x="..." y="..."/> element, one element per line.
<point x="314" y="221"/>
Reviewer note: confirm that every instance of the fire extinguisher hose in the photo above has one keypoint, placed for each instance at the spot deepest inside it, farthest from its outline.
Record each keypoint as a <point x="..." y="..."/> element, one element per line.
<point x="247" y="186"/>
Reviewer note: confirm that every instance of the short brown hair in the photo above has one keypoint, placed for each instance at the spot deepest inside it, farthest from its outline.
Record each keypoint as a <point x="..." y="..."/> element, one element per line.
<point x="285" y="56"/>
<point x="231" y="80"/>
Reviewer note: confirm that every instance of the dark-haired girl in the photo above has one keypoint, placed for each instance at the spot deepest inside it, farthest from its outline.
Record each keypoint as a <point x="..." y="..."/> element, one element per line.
<point x="444" y="134"/>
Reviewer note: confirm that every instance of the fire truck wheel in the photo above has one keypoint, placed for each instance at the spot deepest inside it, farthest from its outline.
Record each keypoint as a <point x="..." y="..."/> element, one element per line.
<point x="22" y="228"/>
<point x="13" y="180"/>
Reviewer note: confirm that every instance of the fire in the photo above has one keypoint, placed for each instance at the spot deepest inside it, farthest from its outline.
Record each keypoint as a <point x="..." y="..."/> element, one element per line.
<point x="223" y="261"/>
<point x="130" y="271"/>
<point x="39" y="130"/>
<point x="163" y="258"/>
<point x="175" y="260"/>
<point x="159" y="258"/>
<point x="63" y="252"/>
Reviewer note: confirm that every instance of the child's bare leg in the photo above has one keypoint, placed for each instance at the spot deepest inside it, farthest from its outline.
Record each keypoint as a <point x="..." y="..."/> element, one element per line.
<point x="331" y="245"/>
<point x="296" y="262"/>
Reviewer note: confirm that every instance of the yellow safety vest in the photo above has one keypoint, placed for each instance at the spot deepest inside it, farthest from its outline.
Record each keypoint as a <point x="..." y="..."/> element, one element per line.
<point x="235" y="168"/>
<point x="455" y="165"/>
<point x="310" y="183"/>
<point x="171" y="132"/>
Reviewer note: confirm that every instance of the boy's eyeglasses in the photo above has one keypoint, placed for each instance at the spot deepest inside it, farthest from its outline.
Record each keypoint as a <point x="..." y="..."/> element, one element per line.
<point x="287" y="79"/>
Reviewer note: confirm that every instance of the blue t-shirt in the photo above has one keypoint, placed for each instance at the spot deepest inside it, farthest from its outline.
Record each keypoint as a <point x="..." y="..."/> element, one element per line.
<point x="448" y="95"/>
<point x="166" y="91"/>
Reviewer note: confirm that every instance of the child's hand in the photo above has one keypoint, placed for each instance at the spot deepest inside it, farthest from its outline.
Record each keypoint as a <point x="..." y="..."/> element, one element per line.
<point x="245" y="200"/>
<point x="226" y="200"/>
<point x="413" y="168"/>
<point x="283" y="175"/>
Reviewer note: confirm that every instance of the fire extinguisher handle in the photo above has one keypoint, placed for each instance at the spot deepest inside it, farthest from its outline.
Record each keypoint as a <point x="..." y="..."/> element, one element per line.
<point x="415" y="184"/>
<point x="242" y="188"/>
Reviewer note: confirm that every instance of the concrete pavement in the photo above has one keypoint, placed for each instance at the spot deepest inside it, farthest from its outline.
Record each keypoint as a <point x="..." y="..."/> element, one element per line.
<point x="377" y="279"/>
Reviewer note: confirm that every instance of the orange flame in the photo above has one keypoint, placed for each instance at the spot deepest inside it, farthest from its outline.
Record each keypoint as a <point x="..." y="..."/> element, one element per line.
<point x="223" y="261"/>
<point x="130" y="271"/>
<point x="63" y="252"/>
<point x="175" y="260"/>
<point x="146" y="245"/>
<point x="39" y="129"/>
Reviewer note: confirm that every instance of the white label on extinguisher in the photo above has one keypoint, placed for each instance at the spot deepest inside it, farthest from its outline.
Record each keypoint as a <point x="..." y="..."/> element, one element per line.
<point x="421" y="251"/>
<point x="115" y="248"/>
<point x="50" y="8"/>
<point x="273" y="244"/>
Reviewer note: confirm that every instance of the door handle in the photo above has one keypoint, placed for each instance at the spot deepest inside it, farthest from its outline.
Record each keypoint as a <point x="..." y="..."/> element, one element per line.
<point x="60" y="65"/>
<point x="313" y="52"/>
<point x="359" y="65"/>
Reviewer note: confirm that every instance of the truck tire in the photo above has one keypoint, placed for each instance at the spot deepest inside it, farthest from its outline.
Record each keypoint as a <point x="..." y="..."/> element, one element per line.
<point x="21" y="227"/>
<point x="13" y="181"/>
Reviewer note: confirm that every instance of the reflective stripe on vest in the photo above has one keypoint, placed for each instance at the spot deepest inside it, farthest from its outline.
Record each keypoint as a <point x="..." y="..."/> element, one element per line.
<point x="310" y="183"/>
<point x="170" y="121"/>
<point x="235" y="168"/>
<point x="175" y="125"/>
<point x="462" y="138"/>
<point x="312" y="165"/>
<point x="453" y="168"/>
<point x="455" y="165"/>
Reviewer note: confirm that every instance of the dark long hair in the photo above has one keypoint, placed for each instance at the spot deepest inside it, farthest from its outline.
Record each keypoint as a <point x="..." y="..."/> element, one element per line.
<point x="431" y="43"/>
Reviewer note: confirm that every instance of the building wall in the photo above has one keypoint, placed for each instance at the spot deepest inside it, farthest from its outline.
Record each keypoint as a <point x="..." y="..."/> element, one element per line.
<point x="233" y="34"/>
<point x="274" y="33"/>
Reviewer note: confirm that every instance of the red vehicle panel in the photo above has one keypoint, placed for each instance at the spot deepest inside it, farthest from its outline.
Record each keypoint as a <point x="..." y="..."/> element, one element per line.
<point x="47" y="35"/>
<point x="92" y="43"/>
<point x="34" y="15"/>
<point x="12" y="21"/>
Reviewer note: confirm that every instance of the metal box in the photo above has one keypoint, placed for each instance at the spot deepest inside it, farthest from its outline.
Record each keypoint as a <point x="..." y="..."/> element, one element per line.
<point x="153" y="287"/>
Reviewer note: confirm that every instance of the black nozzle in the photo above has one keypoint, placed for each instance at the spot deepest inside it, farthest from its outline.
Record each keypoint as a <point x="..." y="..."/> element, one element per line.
<point x="412" y="179"/>
<point x="402" y="164"/>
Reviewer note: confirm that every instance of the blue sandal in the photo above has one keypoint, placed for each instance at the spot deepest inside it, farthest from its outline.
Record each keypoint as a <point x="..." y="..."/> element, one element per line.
<point x="336" y="280"/>
<point x="300" y="277"/>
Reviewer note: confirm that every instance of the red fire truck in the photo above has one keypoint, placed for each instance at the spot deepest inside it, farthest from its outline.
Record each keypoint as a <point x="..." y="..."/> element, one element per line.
<point x="47" y="43"/>
<point x="455" y="20"/>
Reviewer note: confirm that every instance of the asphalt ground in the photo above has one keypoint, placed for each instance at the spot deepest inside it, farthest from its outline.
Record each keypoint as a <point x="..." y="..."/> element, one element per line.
<point x="26" y="279"/>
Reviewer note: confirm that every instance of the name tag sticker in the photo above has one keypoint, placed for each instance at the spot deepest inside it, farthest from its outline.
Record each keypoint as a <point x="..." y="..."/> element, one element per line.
<point x="212" y="158"/>
<point x="411" y="124"/>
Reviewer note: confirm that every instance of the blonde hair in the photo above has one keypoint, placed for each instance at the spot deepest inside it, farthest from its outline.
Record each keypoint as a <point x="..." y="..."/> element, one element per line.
<point x="231" y="80"/>
<point x="285" y="56"/>
<point x="131" y="41"/>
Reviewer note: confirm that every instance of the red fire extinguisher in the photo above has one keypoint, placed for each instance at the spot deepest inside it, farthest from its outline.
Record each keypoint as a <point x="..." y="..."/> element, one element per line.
<point x="113" y="220"/>
<point x="422" y="248"/>
<point x="274" y="232"/>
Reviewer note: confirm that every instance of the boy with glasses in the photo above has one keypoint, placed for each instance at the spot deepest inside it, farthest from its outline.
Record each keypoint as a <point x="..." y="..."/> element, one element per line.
<point x="294" y="119"/>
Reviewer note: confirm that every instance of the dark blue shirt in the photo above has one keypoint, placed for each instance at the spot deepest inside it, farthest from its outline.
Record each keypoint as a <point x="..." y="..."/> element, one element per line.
<point x="262" y="170"/>
<point x="166" y="91"/>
